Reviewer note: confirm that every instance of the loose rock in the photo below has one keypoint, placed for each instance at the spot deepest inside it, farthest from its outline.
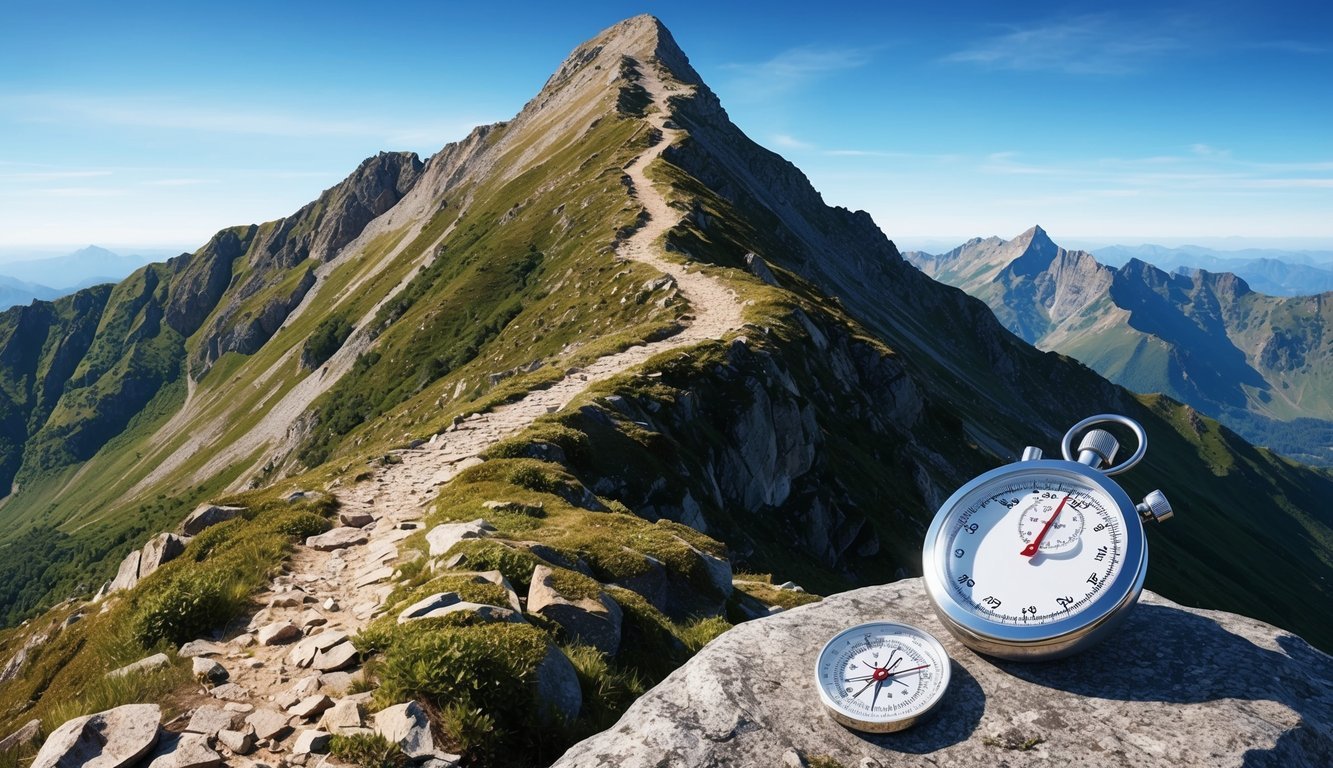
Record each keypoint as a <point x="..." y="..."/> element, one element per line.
<point x="338" y="538"/>
<point x="156" y="661"/>
<point x="206" y="516"/>
<point x="111" y="739"/>
<point x="278" y="633"/>
<point x="209" y="671"/>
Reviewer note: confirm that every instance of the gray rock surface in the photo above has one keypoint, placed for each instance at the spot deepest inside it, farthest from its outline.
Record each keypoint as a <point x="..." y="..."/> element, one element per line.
<point x="442" y="538"/>
<point x="208" y="671"/>
<point x="201" y="648"/>
<point x="338" y="538"/>
<point x="277" y="633"/>
<point x="407" y="726"/>
<point x="558" y="686"/>
<point x="111" y="739"/>
<point x="160" y="549"/>
<point x="207" y="515"/>
<point x="210" y="719"/>
<point x="26" y="734"/>
<point x="128" y="573"/>
<point x="1173" y="687"/>
<point x="592" y="621"/>
<point x="186" y="750"/>
<point x="156" y="661"/>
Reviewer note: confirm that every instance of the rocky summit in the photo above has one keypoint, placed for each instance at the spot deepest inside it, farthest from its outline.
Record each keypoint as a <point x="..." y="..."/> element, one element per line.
<point x="471" y="451"/>
<point x="1174" y="686"/>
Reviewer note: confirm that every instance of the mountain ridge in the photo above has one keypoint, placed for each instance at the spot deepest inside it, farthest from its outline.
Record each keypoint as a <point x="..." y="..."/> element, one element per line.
<point x="1205" y="337"/>
<point x="662" y="446"/>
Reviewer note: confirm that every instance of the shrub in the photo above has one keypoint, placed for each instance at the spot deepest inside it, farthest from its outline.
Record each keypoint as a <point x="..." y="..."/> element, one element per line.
<point x="185" y="607"/>
<point x="298" y="523"/>
<point x="369" y="750"/>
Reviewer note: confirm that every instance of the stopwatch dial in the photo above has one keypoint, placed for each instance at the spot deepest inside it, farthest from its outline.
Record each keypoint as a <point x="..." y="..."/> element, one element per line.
<point x="1034" y="549"/>
<point x="881" y="676"/>
<point x="1065" y="530"/>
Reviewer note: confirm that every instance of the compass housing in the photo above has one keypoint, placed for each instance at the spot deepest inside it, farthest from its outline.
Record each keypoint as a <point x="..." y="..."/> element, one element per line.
<point x="1049" y="639"/>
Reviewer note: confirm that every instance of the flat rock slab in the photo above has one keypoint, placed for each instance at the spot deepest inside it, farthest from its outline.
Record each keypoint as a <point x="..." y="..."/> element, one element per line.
<point x="338" y="657"/>
<point x="188" y="750"/>
<point x="338" y="538"/>
<point x="111" y="739"/>
<point x="355" y="519"/>
<point x="267" y="723"/>
<point x="311" y="742"/>
<point x="442" y="538"/>
<point x="202" y="648"/>
<point x="310" y="706"/>
<point x="278" y="633"/>
<point x="210" y="719"/>
<point x="230" y="692"/>
<point x="156" y="661"/>
<point x="1173" y="686"/>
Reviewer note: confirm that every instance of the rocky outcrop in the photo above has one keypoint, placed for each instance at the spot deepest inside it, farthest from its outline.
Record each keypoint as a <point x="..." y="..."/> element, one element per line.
<point x="207" y="515"/>
<point x="25" y="735"/>
<point x="1174" y="686"/>
<point x="159" y="550"/>
<point x="593" y="619"/>
<point x="111" y="739"/>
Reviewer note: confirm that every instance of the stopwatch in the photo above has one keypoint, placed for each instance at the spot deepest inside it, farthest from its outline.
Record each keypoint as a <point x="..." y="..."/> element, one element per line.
<point x="881" y="676"/>
<point x="1041" y="558"/>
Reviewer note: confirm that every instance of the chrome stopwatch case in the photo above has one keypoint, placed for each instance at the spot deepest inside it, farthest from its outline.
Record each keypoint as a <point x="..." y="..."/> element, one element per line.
<point x="881" y="676"/>
<point x="1041" y="558"/>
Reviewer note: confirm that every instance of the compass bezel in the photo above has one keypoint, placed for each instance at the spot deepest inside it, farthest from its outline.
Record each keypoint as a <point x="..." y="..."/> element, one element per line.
<point x="887" y="724"/>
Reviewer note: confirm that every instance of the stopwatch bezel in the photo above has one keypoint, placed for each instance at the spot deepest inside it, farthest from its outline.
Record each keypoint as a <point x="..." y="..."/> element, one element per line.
<point x="1052" y="638"/>
<point x="887" y="724"/>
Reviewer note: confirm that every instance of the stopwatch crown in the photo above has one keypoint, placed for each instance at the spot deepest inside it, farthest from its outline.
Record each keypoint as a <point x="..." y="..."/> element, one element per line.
<point x="1155" y="507"/>
<point x="1098" y="448"/>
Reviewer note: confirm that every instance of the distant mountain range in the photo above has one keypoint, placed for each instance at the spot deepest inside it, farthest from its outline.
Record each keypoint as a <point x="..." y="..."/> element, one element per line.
<point x="1260" y="363"/>
<point x="1271" y="271"/>
<point x="49" y="278"/>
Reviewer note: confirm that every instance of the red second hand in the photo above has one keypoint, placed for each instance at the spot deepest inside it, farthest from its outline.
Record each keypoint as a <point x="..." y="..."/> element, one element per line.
<point x="1031" y="549"/>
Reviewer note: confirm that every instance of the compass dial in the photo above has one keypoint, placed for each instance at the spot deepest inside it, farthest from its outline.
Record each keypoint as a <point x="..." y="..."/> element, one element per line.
<point x="881" y="676"/>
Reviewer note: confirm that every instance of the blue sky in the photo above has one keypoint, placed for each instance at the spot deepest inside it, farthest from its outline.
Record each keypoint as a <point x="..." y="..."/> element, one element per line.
<point x="138" y="124"/>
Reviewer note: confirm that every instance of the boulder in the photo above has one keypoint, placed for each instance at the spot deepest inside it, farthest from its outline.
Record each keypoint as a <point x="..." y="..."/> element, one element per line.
<point x="338" y="657"/>
<point x="445" y="603"/>
<point x="338" y="538"/>
<point x="210" y="719"/>
<point x="20" y="657"/>
<point x="207" y="515"/>
<point x="592" y="621"/>
<point x="209" y="671"/>
<point x="156" y="661"/>
<point x="558" y="691"/>
<point x="186" y="750"/>
<point x="442" y="538"/>
<point x="1172" y="686"/>
<point x="355" y="518"/>
<point x="311" y="706"/>
<point x="26" y="734"/>
<point x="239" y="742"/>
<point x="407" y="726"/>
<point x="160" y="549"/>
<point x="311" y="742"/>
<point x="267" y="723"/>
<point x="201" y="648"/>
<point x="343" y="716"/>
<point x="278" y="633"/>
<point x="111" y="739"/>
<point x="128" y="573"/>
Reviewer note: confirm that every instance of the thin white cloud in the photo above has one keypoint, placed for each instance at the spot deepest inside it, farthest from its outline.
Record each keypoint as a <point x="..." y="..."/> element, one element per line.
<point x="793" y="68"/>
<point x="1084" y="45"/>
<point x="164" y="113"/>
<point x="51" y="175"/>
<point x="787" y="141"/>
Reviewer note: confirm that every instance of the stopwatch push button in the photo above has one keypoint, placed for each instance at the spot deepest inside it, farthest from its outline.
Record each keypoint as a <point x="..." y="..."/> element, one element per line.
<point x="1155" y="507"/>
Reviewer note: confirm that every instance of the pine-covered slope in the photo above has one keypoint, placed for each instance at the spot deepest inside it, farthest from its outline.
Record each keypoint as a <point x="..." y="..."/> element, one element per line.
<point x="813" y="440"/>
<point x="1260" y="363"/>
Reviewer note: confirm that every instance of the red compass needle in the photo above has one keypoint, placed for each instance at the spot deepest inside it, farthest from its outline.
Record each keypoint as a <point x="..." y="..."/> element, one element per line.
<point x="1031" y="549"/>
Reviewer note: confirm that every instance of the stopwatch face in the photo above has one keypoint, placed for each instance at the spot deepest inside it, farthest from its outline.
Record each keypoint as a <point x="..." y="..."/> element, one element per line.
<point x="1042" y="547"/>
<point x="881" y="676"/>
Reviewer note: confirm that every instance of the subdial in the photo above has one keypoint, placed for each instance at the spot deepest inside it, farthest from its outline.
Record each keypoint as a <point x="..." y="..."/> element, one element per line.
<point x="1064" y="533"/>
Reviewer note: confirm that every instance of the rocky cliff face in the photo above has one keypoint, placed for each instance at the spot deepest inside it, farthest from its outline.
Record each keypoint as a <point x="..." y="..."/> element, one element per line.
<point x="1174" y="686"/>
<point x="1254" y="361"/>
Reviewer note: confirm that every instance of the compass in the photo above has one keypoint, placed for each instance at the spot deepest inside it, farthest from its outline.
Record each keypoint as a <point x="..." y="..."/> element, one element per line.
<point x="881" y="676"/>
<point x="1041" y="558"/>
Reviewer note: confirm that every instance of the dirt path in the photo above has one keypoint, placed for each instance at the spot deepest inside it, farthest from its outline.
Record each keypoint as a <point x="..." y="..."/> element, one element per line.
<point x="357" y="578"/>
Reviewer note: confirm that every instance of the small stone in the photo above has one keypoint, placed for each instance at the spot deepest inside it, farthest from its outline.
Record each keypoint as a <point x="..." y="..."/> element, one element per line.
<point x="241" y="707"/>
<point x="869" y="762"/>
<point x="311" y="618"/>
<point x="331" y="604"/>
<point x="287" y="699"/>
<point x="267" y="723"/>
<point x="278" y="632"/>
<point x="355" y="519"/>
<point x="338" y="657"/>
<point x="337" y="683"/>
<point x="338" y="538"/>
<point x="210" y="719"/>
<point x="342" y="716"/>
<point x="189" y="750"/>
<point x="244" y="641"/>
<point x="311" y="706"/>
<point x="209" y="671"/>
<point x="156" y="661"/>
<point x="201" y="648"/>
<point x="239" y="742"/>
<point x="792" y="759"/>
<point x="311" y="741"/>
<point x="289" y="599"/>
<point x="375" y="576"/>
<point x="230" y="692"/>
